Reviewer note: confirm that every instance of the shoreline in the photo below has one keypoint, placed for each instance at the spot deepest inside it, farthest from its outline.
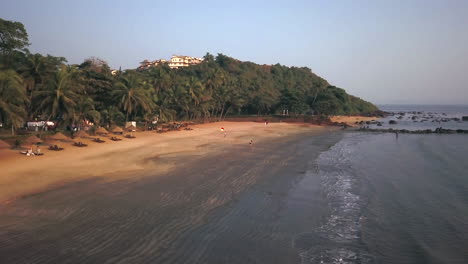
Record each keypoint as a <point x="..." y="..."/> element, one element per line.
<point x="353" y="121"/>
<point x="217" y="194"/>
<point x="149" y="153"/>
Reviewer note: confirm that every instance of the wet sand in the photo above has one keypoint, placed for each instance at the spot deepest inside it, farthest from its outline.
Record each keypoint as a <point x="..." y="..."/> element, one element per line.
<point x="170" y="198"/>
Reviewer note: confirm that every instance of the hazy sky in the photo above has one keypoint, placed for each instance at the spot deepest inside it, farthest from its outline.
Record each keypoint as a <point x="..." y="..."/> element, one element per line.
<point x="392" y="51"/>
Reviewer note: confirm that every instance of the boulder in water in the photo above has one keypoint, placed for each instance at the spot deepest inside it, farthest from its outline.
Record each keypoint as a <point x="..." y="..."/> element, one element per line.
<point x="392" y="122"/>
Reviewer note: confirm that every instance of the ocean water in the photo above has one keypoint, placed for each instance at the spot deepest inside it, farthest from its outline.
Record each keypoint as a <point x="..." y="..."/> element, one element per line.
<point x="422" y="117"/>
<point x="391" y="200"/>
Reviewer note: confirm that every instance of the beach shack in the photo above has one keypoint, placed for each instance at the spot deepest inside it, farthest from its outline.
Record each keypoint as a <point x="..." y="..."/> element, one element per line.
<point x="117" y="130"/>
<point x="36" y="125"/>
<point x="130" y="123"/>
<point x="102" y="131"/>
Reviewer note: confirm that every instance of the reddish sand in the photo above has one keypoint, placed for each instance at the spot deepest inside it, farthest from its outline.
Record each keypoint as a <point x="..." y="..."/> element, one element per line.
<point x="130" y="157"/>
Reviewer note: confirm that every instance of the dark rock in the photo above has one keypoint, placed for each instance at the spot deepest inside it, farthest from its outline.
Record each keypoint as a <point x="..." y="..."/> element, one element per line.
<point x="465" y="118"/>
<point x="392" y="122"/>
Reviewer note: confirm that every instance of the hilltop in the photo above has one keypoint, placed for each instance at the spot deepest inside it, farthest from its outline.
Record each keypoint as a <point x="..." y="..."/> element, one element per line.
<point x="38" y="87"/>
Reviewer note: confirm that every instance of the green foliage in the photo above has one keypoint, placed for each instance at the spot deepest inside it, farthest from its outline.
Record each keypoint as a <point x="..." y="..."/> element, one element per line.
<point x="133" y="94"/>
<point x="13" y="36"/>
<point x="59" y="96"/>
<point x="335" y="101"/>
<point x="13" y="99"/>
<point x="33" y="85"/>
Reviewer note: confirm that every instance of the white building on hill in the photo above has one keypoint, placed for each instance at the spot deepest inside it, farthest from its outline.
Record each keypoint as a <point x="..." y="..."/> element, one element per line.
<point x="175" y="62"/>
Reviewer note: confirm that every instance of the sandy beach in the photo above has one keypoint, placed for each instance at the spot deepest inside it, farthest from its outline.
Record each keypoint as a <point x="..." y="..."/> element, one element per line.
<point x="149" y="152"/>
<point x="178" y="197"/>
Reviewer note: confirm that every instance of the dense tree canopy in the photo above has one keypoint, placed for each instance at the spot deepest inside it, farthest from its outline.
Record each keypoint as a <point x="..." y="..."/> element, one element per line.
<point x="34" y="86"/>
<point x="13" y="36"/>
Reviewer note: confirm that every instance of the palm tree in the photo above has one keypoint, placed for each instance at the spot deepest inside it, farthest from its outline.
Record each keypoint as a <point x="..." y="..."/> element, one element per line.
<point x="163" y="103"/>
<point x="59" y="95"/>
<point x="33" y="71"/>
<point x="37" y="68"/>
<point x="85" y="111"/>
<point x="132" y="95"/>
<point x="12" y="99"/>
<point x="112" y="116"/>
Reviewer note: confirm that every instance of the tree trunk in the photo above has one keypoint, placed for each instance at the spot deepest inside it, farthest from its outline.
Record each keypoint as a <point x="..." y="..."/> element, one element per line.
<point x="221" y="114"/>
<point x="225" y="113"/>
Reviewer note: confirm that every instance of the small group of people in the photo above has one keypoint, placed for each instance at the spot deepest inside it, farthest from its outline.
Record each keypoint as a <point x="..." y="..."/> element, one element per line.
<point x="55" y="148"/>
<point x="98" y="140"/>
<point x="79" y="144"/>
<point x="31" y="152"/>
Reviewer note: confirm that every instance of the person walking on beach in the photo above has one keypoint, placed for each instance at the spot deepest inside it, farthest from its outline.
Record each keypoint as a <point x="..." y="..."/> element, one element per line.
<point x="224" y="131"/>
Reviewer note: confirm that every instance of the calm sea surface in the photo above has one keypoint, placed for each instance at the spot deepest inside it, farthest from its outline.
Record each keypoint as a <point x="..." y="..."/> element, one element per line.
<point x="392" y="200"/>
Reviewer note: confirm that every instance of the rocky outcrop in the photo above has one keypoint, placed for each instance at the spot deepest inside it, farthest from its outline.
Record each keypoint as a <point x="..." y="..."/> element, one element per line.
<point x="423" y="131"/>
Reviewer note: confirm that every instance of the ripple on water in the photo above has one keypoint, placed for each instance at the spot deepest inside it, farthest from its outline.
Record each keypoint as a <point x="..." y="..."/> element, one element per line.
<point x="337" y="240"/>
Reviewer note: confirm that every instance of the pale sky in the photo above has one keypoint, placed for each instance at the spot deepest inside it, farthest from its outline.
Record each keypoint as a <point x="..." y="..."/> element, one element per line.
<point x="392" y="51"/>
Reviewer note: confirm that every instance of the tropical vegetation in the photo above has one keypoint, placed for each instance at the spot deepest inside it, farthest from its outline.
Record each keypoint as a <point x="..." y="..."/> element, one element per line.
<point x="38" y="87"/>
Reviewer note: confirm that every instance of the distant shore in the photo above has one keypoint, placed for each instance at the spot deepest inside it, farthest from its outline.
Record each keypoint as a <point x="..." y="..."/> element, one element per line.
<point x="149" y="153"/>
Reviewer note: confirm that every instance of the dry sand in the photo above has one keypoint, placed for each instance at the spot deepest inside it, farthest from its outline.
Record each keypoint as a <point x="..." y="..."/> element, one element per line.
<point x="351" y="120"/>
<point x="149" y="152"/>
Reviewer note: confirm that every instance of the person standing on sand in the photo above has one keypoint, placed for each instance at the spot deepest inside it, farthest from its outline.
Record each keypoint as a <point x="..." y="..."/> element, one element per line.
<point x="224" y="131"/>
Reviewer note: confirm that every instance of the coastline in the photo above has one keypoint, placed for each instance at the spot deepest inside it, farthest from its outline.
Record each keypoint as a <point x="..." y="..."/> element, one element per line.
<point x="148" y="154"/>
<point x="352" y="120"/>
<point x="213" y="195"/>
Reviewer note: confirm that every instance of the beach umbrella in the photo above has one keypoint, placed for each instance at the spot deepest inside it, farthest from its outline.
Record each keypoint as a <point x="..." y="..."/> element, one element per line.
<point x="3" y="144"/>
<point x="81" y="134"/>
<point x="32" y="140"/>
<point x="58" y="136"/>
<point x="101" y="130"/>
<point x="117" y="130"/>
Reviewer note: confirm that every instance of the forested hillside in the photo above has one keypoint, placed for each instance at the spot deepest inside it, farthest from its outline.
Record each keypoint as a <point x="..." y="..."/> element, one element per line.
<point x="38" y="87"/>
